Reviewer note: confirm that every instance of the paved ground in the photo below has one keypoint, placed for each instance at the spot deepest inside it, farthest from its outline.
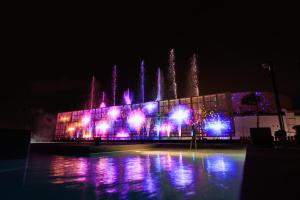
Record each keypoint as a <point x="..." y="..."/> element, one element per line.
<point x="272" y="174"/>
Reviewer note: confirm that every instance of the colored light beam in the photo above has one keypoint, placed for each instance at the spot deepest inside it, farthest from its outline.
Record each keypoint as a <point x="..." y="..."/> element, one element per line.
<point x="127" y="98"/>
<point x="102" y="105"/>
<point x="86" y="120"/>
<point x="64" y="119"/>
<point x="163" y="128"/>
<point x="113" y="113"/>
<point x="217" y="126"/>
<point x="71" y="129"/>
<point x="136" y="119"/>
<point x="179" y="115"/>
<point x="150" y="107"/>
<point x="102" y="127"/>
<point x="122" y="133"/>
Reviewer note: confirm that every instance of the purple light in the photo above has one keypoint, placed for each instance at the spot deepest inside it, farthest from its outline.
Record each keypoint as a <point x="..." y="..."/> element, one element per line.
<point x="102" y="105"/>
<point x="136" y="119"/>
<point x="102" y="127"/>
<point x="180" y="114"/>
<point x="163" y="128"/>
<point x="113" y="113"/>
<point x="122" y="134"/>
<point x="126" y="97"/>
<point x="150" y="107"/>
<point x="86" y="120"/>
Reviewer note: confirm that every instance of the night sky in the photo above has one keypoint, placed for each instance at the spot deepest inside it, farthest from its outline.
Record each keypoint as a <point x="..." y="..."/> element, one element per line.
<point x="50" y="52"/>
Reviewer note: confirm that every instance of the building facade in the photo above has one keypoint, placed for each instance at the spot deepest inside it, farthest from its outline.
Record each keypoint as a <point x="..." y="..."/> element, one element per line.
<point x="218" y="115"/>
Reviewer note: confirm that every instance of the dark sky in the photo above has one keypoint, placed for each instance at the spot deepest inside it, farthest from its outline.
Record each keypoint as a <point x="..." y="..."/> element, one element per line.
<point x="50" y="52"/>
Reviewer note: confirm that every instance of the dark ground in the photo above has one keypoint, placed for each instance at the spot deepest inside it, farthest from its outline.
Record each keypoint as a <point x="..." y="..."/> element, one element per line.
<point x="271" y="173"/>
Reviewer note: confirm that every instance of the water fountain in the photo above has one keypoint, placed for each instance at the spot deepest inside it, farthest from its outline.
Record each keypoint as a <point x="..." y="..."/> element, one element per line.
<point x="172" y="74"/>
<point x="127" y="98"/>
<point x="102" y="104"/>
<point x="92" y="93"/>
<point x="114" y="84"/>
<point x="159" y="85"/>
<point x="142" y="82"/>
<point x="194" y="75"/>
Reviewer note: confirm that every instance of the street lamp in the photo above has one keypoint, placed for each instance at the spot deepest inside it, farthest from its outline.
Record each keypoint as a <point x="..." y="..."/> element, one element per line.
<point x="269" y="67"/>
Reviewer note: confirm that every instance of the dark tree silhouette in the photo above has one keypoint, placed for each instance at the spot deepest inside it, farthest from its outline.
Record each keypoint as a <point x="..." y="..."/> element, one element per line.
<point x="252" y="99"/>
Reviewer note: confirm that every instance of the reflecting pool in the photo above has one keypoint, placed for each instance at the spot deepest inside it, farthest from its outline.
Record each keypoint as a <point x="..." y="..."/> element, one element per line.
<point x="145" y="174"/>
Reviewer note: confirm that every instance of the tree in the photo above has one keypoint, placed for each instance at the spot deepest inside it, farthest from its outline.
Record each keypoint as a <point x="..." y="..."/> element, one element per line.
<point x="252" y="99"/>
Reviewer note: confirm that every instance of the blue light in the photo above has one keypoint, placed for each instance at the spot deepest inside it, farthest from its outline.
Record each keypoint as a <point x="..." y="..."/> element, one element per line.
<point x="150" y="107"/>
<point x="218" y="126"/>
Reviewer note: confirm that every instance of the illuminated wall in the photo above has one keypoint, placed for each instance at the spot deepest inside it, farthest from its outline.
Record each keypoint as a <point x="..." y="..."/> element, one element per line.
<point x="150" y="120"/>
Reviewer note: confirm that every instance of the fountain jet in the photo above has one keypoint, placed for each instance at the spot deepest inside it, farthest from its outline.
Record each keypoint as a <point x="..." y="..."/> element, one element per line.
<point x="114" y="84"/>
<point x="142" y="82"/>
<point x="194" y="74"/>
<point x="159" y="85"/>
<point x="172" y="74"/>
<point x="102" y="104"/>
<point x="92" y="93"/>
<point x="127" y="98"/>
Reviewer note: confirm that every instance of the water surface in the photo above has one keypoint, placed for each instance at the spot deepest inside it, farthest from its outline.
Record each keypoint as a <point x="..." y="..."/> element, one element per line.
<point x="146" y="174"/>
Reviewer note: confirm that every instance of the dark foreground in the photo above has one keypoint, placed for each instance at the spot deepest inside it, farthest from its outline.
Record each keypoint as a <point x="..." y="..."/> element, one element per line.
<point x="271" y="173"/>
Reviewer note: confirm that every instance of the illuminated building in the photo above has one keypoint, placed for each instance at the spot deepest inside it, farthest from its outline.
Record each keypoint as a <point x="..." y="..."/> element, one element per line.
<point x="168" y="119"/>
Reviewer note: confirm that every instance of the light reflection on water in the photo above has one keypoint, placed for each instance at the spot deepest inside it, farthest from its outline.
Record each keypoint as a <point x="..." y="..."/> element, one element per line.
<point x="145" y="175"/>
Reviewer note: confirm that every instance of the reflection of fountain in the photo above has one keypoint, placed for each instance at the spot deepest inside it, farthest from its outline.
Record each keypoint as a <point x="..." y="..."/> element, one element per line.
<point x="218" y="163"/>
<point x="105" y="176"/>
<point x="159" y="85"/>
<point x="68" y="170"/>
<point x="134" y="172"/>
<point x="142" y="82"/>
<point x="194" y="75"/>
<point x="182" y="175"/>
<point x="172" y="74"/>
<point x="114" y="84"/>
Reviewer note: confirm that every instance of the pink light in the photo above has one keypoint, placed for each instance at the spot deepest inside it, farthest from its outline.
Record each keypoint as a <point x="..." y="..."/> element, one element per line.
<point x="102" y="105"/>
<point x="164" y="128"/>
<point x="122" y="133"/>
<point x="136" y="119"/>
<point x="86" y="120"/>
<point x="113" y="113"/>
<point x="102" y="127"/>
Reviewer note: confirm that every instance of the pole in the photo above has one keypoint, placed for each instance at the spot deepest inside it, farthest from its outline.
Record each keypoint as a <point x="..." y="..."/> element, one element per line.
<point x="269" y="66"/>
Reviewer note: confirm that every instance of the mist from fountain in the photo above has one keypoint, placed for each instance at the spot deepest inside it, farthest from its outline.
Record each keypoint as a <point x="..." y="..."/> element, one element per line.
<point x="172" y="74"/>
<point x="194" y="76"/>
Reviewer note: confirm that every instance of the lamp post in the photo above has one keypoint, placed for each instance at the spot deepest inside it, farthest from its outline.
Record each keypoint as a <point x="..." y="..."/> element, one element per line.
<point x="269" y="67"/>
